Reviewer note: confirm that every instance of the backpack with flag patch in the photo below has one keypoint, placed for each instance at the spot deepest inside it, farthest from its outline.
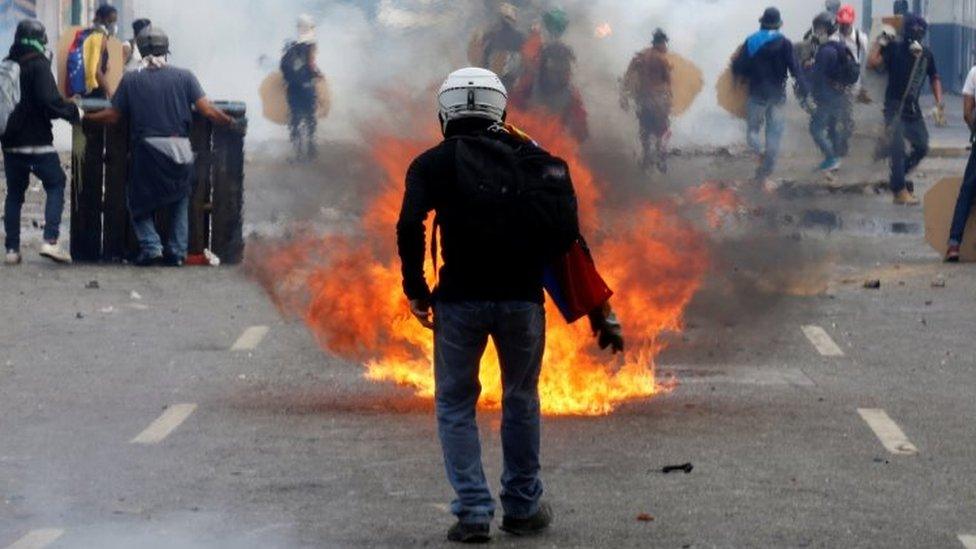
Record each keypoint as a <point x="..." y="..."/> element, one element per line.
<point x="77" y="80"/>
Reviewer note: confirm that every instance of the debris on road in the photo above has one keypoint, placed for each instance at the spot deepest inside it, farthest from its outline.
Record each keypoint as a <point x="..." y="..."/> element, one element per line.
<point x="79" y="316"/>
<point x="93" y="285"/>
<point x="644" y="517"/>
<point x="135" y="296"/>
<point x="685" y="467"/>
<point x="872" y="284"/>
<point x="939" y="283"/>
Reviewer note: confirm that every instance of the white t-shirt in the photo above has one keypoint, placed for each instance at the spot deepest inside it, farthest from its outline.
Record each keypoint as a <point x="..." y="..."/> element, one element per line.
<point x="970" y="87"/>
<point x="857" y="42"/>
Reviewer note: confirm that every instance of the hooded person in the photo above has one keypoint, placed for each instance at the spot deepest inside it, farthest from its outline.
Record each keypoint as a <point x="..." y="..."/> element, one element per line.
<point x="28" y="143"/>
<point x="830" y="92"/>
<point x="500" y="48"/>
<point x="301" y="73"/>
<point x="130" y="50"/>
<point x="647" y="83"/>
<point x="765" y="61"/>
<point x="157" y="102"/>
<point x="908" y="63"/>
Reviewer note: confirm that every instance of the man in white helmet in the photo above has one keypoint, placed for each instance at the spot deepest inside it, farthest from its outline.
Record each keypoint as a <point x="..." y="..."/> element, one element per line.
<point x="504" y="208"/>
<point x="301" y="74"/>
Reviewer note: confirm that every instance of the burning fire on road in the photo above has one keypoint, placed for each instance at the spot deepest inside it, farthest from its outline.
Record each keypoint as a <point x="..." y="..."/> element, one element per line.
<point x="347" y="289"/>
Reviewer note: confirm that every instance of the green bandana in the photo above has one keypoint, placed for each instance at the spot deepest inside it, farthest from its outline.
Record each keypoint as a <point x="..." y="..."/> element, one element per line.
<point x="34" y="44"/>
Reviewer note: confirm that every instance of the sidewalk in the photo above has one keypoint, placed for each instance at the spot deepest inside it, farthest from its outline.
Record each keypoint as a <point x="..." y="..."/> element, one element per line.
<point x="951" y="141"/>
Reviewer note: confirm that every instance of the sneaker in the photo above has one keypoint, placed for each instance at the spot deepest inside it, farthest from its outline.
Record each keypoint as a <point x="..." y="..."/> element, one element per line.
<point x="172" y="261"/>
<point x="55" y="253"/>
<point x="952" y="256"/>
<point x="529" y="526"/>
<point x="147" y="260"/>
<point x="12" y="258"/>
<point x="463" y="532"/>
<point x="905" y="198"/>
<point x="830" y="165"/>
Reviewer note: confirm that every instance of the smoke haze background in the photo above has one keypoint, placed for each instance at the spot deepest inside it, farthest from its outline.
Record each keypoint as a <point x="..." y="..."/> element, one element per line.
<point x="368" y="49"/>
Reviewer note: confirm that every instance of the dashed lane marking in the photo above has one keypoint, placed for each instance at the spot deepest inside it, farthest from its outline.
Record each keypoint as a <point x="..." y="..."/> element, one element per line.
<point x="821" y="341"/>
<point x="888" y="432"/>
<point x="250" y="339"/>
<point x="968" y="541"/>
<point x="38" y="539"/>
<point x="738" y="375"/>
<point x="165" y="424"/>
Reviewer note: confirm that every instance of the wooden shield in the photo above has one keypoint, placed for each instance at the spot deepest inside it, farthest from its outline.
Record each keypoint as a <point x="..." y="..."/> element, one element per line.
<point x="274" y="98"/>
<point x="733" y="94"/>
<point x="686" y="83"/>
<point x="116" y="59"/>
<point x="940" y="205"/>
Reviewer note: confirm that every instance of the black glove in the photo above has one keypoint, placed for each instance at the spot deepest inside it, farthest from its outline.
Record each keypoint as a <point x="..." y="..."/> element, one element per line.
<point x="607" y="329"/>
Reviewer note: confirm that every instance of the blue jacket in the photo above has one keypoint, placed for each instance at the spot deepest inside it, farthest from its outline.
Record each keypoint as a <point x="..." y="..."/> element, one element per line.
<point x="825" y="67"/>
<point x="766" y="60"/>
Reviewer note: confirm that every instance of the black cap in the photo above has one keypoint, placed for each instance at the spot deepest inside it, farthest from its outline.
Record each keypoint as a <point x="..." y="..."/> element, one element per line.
<point x="31" y="29"/>
<point x="771" y="19"/>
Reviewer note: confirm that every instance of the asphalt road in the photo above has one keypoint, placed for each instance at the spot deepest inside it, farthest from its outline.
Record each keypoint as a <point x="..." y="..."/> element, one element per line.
<point x="816" y="413"/>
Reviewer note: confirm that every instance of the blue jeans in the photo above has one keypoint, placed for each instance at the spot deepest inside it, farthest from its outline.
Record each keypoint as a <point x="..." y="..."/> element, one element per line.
<point x="518" y="330"/>
<point x="917" y="135"/>
<point x="47" y="168"/>
<point x="826" y="125"/>
<point x="964" y="205"/>
<point x="769" y="113"/>
<point x="150" y="245"/>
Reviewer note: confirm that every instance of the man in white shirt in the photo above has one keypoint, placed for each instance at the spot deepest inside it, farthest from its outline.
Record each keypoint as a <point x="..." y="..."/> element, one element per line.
<point x="967" y="194"/>
<point x="857" y="43"/>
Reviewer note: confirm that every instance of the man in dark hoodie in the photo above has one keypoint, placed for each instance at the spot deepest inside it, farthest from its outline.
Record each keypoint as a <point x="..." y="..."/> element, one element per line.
<point x="28" y="142"/>
<point x="765" y="60"/>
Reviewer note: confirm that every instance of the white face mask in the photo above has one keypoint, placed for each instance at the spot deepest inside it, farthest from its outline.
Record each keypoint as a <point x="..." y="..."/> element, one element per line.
<point x="113" y="29"/>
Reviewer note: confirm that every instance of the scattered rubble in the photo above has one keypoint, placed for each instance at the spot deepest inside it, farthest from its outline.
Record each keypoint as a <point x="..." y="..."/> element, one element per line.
<point x="939" y="282"/>
<point x="872" y="284"/>
<point x="644" y="517"/>
<point x="93" y="285"/>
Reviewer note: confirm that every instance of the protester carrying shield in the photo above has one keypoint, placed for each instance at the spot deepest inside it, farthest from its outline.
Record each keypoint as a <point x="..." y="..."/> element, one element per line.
<point x="909" y="64"/>
<point x="28" y="141"/>
<point x="505" y="209"/>
<point x="157" y="101"/>
<point x="647" y="84"/>
<point x="301" y="73"/>
<point x="765" y="61"/>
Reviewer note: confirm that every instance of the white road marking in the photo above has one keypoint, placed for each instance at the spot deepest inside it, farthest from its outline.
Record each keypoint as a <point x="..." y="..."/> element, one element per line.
<point x="739" y="375"/>
<point x="165" y="424"/>
<point x="968" y="541"/>
<point x="250" y="339"/>
<point x="821" y="341"/>
<point x="888" y="432"/>
<point x="38" y="539"/>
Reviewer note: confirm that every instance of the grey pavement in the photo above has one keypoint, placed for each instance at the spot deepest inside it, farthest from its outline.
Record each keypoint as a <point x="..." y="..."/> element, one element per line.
<point x="290" y="447"/>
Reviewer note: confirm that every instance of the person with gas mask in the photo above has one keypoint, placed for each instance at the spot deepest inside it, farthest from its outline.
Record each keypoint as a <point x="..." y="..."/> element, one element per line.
<point x="28" y="142"/>
<point x="504" y="207"/>
<point x="908" y="64"/>
<point x="833" y="73"/>
<point x="647" y="84"/>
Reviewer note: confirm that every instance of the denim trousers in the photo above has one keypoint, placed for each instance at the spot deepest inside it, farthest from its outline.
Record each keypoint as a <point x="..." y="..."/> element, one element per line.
<point x="912" y="130"/>
<point x="47" y="168"/>
<point x="964" y="205"/>
<point x="460" y="338"/>
<point x="151" y="245"/>
<point x="768" y="113"/>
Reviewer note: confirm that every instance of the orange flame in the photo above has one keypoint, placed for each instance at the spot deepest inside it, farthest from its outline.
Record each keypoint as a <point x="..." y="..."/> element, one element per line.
<point x="603" y="30"/>
<point x="720" y="200"/>
<point x="348" y="291"/>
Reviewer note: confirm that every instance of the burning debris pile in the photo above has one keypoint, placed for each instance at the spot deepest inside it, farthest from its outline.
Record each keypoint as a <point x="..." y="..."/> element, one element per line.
<point x="347" y="289"/>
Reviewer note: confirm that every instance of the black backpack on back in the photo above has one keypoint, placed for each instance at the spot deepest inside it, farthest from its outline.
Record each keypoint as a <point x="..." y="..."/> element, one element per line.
<point x="513" y="197"/>
<point x="848" y="70"/>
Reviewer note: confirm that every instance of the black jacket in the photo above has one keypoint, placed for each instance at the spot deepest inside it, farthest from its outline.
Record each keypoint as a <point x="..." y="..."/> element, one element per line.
<point x="768" y="68"/>
<point x="471" y="272"/>
<point x="40" y="102"/>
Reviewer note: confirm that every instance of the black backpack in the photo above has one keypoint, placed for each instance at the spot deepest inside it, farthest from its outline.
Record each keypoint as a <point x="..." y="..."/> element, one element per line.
<point x="295" y="63"/>
<point x="848" y="70"/>
<point x="513" y="197"/>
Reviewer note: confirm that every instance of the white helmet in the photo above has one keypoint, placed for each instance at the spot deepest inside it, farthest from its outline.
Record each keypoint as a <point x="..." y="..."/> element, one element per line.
<point x="472" y="93"/>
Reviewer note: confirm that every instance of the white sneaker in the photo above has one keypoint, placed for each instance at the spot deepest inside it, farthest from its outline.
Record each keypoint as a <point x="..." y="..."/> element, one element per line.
<point x="12" y="258"/>
<point x="55" y="253"/>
